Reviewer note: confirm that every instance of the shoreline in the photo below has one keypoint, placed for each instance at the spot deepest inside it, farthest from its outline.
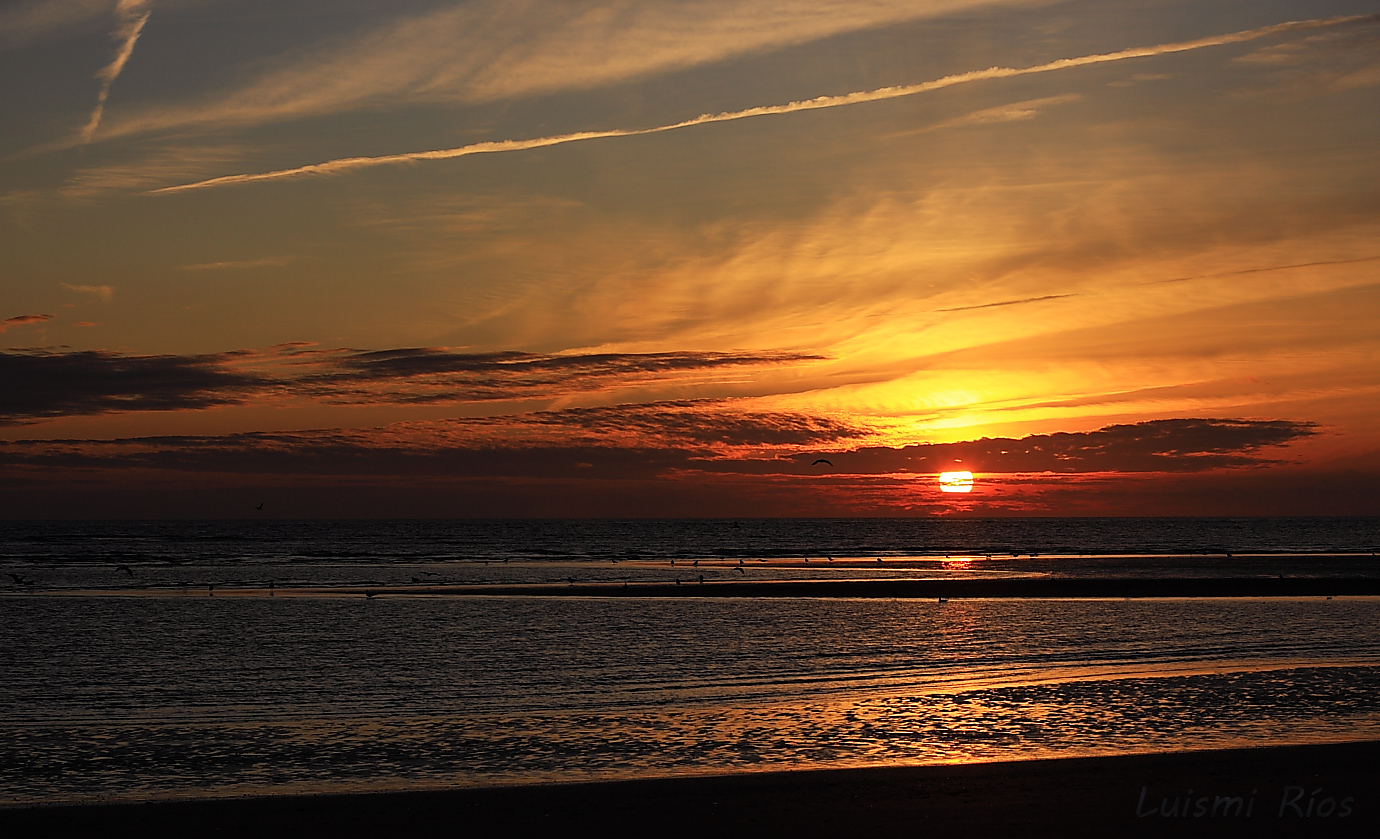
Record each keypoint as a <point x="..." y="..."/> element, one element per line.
<point x="931" y="589"/>
<point x="1121" y="795"/>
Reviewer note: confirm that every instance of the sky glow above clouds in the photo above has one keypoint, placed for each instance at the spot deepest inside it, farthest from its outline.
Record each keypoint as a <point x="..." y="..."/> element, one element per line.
<point x="1138" y="237"/>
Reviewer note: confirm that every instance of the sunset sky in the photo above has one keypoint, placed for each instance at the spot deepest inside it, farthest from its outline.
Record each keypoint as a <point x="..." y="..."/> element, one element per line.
<point x="657" y="257"/>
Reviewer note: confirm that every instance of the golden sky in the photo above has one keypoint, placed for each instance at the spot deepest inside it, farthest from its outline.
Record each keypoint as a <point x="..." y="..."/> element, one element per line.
<point x="655" y="258"/>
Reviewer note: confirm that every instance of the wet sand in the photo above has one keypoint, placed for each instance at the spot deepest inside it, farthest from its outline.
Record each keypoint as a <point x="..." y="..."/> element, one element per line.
<point x="1319" y="790"/>
<point x="1042" y="587"/>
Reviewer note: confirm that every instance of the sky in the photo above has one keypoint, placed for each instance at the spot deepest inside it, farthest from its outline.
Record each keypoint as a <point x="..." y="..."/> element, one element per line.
<point x="659" y="257"/>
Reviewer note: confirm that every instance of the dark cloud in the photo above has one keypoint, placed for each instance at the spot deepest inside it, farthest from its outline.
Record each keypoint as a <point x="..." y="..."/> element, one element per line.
<point x="1170" y="445"/>
<point x="1008" y="303"/>
<point x="45" y="384"/>
<point x="657" y="440"/>
<point x="40" y="384"/>
<point x="21" y="320"/>
<point x="422" y="375"/>
<point x="696" y="423"/>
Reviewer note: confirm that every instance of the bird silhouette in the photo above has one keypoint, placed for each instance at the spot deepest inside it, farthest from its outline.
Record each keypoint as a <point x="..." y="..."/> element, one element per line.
<point x="126" y="569"/>
<point x="370" y="594"/>
<point x="822" y="460"/>
<point x="261" y="506"/>
<point x="740" y="570"/>
<point x="18" y="580"/>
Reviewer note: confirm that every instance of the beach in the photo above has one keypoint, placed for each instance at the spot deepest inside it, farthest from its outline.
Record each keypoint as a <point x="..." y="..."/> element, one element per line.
<point x="1120" y="795"/>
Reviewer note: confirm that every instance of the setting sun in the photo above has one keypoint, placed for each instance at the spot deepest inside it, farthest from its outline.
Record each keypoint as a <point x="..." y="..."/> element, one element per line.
<point x="956" y="481"/>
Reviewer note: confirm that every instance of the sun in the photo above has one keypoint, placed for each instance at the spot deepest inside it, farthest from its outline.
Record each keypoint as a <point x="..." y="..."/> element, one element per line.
<point x="956" y="481"/>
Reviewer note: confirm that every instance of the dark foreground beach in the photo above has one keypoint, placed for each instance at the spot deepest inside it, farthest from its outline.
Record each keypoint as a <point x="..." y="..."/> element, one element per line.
<point x="1316" y="790"/>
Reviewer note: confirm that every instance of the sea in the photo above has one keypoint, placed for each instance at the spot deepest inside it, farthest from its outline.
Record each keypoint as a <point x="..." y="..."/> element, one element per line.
<point x="182" y="659"/>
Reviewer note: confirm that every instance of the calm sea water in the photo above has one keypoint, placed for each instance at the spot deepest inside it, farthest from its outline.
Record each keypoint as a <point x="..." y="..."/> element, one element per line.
<point x="124" y="675"/>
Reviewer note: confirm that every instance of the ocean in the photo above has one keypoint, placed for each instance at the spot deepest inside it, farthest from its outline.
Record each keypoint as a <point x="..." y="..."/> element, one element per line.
<point x="148" y="660"/>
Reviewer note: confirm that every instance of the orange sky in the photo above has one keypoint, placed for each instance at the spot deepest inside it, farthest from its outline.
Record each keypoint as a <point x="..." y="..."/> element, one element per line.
<point x="654" y="258"/>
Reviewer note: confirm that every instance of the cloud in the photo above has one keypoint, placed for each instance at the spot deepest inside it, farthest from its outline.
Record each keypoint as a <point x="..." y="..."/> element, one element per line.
<point x="695" y="442"/>
<point x="1167" y="445"/>
<point x="426" y="375"/>
<point x="23" y="21"/>
<point x="132" y="14"/>
<point x="352" y="163"/>
<point x="141" y="173"/>
<point x="496" y="49"/>
<point x="22" y="320"/>
<point x="1019" y="302"/>
<point x="42" y="384"/>
<point x="262" y="262"/>
<point x="105" y="292"/>
<point x="1013" y="112"/>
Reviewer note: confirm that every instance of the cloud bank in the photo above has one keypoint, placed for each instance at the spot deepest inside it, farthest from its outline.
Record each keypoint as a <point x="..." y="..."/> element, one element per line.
<point x="678" y="440"/>
<point x="42" y="385"/>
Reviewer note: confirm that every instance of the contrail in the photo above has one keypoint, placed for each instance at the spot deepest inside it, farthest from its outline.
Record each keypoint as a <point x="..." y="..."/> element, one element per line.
<point x="133" y="15"/>
<point x="347" y="163"/>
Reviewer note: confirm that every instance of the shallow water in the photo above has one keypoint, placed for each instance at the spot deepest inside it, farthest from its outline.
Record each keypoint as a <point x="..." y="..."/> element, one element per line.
<point x="170" y="695"/>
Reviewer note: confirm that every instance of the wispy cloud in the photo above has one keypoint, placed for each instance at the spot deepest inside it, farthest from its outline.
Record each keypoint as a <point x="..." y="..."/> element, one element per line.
<point x="1039" y="299"/>
<point x="262" y="262"/>
<point x="22" y="320"/>
<point x="22" y="21"/>
<point x="132" y="15"/>
<point x="880" y="94"/>
<point x="105" y="292"/>
<point x="1013" y="112"/>
<point x="486" y="50"/>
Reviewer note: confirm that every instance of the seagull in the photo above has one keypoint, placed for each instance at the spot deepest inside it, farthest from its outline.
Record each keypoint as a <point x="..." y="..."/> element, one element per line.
<point x="822" y="460"/>
<point x="696" y="563"/>
<point x="261" y="506"/>
<point x="740" y="570"/>
<point x="369" y="594"/>
<point x="125" y="568"/>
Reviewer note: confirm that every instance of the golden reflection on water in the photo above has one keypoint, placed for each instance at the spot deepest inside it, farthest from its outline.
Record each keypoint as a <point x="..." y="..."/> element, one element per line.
<point x="173" y="696"/>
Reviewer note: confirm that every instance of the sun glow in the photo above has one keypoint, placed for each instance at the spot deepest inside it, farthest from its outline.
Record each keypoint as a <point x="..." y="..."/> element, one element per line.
<point x="956" y="481"/>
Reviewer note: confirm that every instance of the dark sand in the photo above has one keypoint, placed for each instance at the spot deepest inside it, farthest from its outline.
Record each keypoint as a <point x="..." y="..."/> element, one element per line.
<point x="1019" y="587"/>
<point x="1069" y="797"/>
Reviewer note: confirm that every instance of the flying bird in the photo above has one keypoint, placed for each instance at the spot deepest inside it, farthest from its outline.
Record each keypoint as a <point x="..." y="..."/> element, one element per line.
<point x="126" y="569"/>
<point x="822" y="460"/>
<point x="261" y="506"/>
